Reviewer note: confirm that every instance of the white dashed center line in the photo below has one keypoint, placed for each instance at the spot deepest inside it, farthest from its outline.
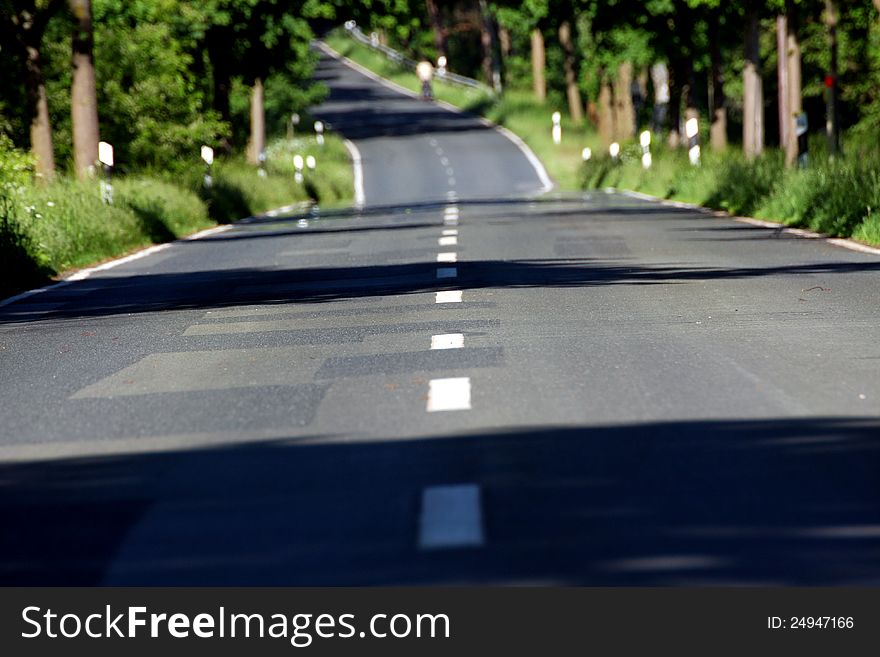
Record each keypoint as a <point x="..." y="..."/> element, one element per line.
<point x="449" y="394"/>
<point x="450" y="232"/>
<point x="448" y="241"/>
<point x="447" y="341"/>
<point x="451" y="517"/>
<point x="448" y="296"/>
<point x="447" y="272"/>
<point x="452" y="182"/>
<point x="447" y="257"/>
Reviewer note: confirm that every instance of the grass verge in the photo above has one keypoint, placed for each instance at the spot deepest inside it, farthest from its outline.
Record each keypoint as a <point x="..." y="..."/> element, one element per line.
<point x="838" y="198"/>
<point x="46" y="230"/>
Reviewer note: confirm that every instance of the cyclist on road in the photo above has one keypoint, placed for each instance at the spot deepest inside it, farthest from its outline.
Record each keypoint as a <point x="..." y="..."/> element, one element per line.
<point x="425" y="71"/>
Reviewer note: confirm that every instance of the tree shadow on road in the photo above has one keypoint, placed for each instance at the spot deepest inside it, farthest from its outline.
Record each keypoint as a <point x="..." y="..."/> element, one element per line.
<point x="705" y="502"/>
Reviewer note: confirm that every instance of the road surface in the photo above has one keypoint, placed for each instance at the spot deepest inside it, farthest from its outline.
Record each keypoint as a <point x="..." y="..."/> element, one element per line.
<point x="466" y="381"/>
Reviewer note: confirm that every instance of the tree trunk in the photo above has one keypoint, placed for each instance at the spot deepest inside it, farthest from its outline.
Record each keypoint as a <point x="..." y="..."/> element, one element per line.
<point x="753" y="92"/>
<point x="41" y="129"/>
<point x="624" y="114"/>
<point x="832" y="125"/>
<point x="436" y="20"/>
<point x="572" y="91"/>
<point x="504" y="42"/>
<point x="257" y="142"/>
<point x="677" y="76"/>
<point x="489" y="41"/>
<point x="607" y="129"/>
<point x="83" y="93"/>
<point x="539" y="63"/>
<point x="718" y="105"/>
<point x="31" y="26"/>
<point x="795" y="97"/>
<point x="782" y="77"/>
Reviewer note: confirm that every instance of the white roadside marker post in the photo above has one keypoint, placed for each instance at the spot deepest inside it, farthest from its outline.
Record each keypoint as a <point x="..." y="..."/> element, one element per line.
<point x="645" y="141"/>
<point x="291" y="125"/>
<point x="298" y="165"/>
<point x="208" y="158"/>
<point x="319" y="132"/>
<point x="692" y="130"/>
<point x="105" y="157"/>
<point x="556" y="132"/>
<point x="261" y="172"/>
<point x="586" y="154"/>
<point x="311" y="163"/>
<point x="614" y="151"/>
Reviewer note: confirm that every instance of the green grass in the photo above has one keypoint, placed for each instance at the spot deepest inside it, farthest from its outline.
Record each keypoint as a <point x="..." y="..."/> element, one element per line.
<point x="46" y="230"/>
<point x="837" y="198"/>
<point x="516" y="110"/>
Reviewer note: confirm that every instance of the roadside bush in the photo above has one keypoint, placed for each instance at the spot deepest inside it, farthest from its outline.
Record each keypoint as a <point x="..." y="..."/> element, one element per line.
<point x="20" y="261"/>
<point x="165" y="211"/>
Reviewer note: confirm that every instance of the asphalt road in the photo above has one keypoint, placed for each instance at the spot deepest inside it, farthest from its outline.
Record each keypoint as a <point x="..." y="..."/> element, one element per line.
<point x="464" y="382"/>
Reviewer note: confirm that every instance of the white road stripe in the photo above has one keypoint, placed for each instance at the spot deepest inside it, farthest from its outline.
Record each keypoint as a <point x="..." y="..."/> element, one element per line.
<point x="449" y="394"/>
<point x="447" y="257"/>
<point x="444" y="161"/>
<point x="447" y="241"/>
<point x="447" y="272"/>
<point x="448" y="296"/>
<point x="451" y="209"/>
<point x="450" y="221"/>
<point x="452" y="182"/>
<point x="357" y="164"/>
<point x="451" y="517"/>
<point x="450" y="232"/>
<point x="450" y="171"/>
<point x="447" y="341"/>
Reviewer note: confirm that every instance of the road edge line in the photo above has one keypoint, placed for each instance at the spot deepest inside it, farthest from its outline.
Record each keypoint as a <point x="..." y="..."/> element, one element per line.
<point x="544" y="178"/>
<point x="841" y="242"/>
<point x="357" y="164"/>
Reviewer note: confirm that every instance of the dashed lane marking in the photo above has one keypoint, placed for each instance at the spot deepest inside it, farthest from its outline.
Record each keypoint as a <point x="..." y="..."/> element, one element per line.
<point x="448" y="296"/>
<point x="449" y="394"/>
<point x="449" y="232"/>
<point x="447" y="257"/>
<point x="447" y="341"/>
<point x="448" y="241"/>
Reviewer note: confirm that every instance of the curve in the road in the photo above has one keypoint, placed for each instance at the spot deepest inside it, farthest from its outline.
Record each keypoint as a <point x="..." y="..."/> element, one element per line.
<point x="411" y="150"/>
